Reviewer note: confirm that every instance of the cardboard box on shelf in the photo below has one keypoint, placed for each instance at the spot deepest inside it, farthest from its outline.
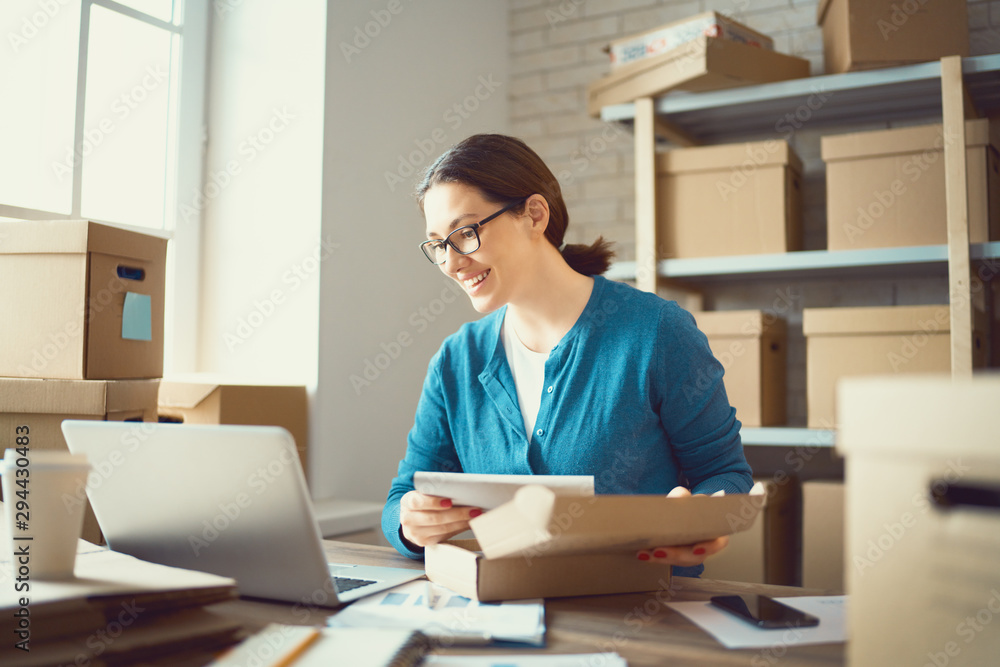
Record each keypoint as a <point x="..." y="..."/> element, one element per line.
<point x="823" y="534"/>
<point x="83" y="301"/>
<point x="37" y="408"/>
<point x="707" y="63"/>
<point x="670" y="36"/>
<point x="867" y="34"/>
<point x="543" y="545"/>
<point x="846" y="342"/>
<point x="751" y="346"/>
<point x="887" y="188"/>
<point x="710" y="203"/>
<point x="922" y="518"/>
<point x="207" y="399"/>
<point x="768" y="552"/>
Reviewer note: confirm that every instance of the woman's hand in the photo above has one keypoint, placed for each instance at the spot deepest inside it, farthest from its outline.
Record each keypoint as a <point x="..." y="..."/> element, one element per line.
<point x="431" y="519"/>
<point x="685" y="555"/>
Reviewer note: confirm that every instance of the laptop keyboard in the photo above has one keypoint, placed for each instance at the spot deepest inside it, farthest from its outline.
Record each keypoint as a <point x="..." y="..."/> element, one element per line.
<point x="345" y="584"/>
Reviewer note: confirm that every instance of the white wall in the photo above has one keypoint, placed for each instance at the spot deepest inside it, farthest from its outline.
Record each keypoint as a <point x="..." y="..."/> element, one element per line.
<point x="261" y="192"/>
<point x="390" y="95"/>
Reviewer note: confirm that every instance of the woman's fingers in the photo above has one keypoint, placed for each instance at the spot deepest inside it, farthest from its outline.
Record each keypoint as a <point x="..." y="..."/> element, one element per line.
<point x="685" y="555"/>
<point x="431" y="519"/>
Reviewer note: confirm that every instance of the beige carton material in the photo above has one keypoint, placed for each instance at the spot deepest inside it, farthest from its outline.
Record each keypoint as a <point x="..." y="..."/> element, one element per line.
<point x="86" y="301"/>
<point x="670" y="36"/>
<point x="845" y="342"/>
<point x="867" y="34"/>
<point x="706" y="63"/>
<point x="823" y="534"/>
<point x="543" y="545"/>
<point x="887" y="188"/>
<point x="923" y="525"/>
<point x="37" y="408"/>
<point x="208" y="399"/>
<point x="732" y="199"/>
<point x="751" y="346"/>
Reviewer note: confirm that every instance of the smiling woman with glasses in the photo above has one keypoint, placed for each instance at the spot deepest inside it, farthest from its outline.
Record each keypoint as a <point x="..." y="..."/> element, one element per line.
<point x="567" y="373"/>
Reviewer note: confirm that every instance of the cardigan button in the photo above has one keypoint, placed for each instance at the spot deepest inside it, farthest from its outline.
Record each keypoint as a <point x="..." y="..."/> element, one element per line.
<point x="549" y="390"/>
<point x="540" y="432"/>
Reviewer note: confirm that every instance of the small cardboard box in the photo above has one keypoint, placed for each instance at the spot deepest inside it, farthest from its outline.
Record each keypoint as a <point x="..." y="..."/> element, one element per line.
<point x="706" y="63"/>
<point x="923" y="519"/>
<point x="887" y="188"/>
<point x="732" y="199"/>
<point x="823" y="534"/>
<point x="670" y="36"/>
<point x="750" y="345"/>
<point x="83" y="301"/>
<point x="543" y="545"/>
<point x="845" y="342"/>
<point x="210" y="400"/>
<point x="42" y="405"/>
<point x="866" y="34"/>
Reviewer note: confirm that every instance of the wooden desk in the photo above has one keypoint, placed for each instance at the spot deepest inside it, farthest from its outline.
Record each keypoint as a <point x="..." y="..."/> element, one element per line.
<point x="639" y="626"/>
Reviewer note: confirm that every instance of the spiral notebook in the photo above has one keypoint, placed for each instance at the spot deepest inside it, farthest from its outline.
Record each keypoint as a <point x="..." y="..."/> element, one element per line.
<point x="300" y="646"/>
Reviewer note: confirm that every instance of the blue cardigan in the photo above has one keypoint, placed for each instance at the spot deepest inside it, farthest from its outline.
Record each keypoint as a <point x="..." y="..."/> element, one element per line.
<point x="632" y="395"/>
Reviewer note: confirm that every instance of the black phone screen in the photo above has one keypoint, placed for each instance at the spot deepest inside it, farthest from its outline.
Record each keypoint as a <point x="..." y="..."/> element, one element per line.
<point x="764" y="612"/>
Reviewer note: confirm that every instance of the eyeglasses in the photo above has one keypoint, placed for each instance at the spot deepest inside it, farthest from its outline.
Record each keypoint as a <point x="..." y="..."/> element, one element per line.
<point x="464" y="240"/>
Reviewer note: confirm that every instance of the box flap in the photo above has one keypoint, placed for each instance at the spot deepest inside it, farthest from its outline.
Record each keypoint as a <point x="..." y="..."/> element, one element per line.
<point x="79" y="236"/>
<point x="901" y="141"/>
<point x="879" y="320"/>
<point x="175" y="394"/>
<point x="538" y="522"/>
<point x="728" y="156"/>
<point x="737" y="323"/>
<point x="53" y="397"/>
<point x="821" y="10"/>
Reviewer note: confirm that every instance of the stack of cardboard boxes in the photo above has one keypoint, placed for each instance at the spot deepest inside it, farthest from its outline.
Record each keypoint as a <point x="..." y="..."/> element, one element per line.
<point x="82" y="332"/>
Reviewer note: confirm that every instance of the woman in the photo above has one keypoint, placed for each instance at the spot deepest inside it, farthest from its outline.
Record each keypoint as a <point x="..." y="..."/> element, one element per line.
<point x="567" y="374"/>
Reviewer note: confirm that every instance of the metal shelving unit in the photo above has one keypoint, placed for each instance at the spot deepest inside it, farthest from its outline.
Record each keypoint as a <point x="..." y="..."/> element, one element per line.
<point x="787" y="436"/>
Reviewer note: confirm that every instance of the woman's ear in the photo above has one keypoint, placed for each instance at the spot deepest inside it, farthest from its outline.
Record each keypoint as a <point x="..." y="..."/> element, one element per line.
<point x="537" y="208"/>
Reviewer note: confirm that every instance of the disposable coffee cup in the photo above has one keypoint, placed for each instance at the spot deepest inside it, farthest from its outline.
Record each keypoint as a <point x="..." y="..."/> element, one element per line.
<point x="43" y="514"/>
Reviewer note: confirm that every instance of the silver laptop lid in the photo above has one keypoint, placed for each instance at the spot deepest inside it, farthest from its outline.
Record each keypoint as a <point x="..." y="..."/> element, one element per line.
<point x="230" y="500"/>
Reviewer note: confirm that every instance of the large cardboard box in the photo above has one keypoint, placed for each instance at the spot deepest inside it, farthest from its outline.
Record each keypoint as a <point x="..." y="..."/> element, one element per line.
<point x="769" y="551"/>
<point x="823" y="534"/>
<point x="751" y="346"/>
<point x="887" y="188"/>
<point x="210" y="400"/>
<point x="543" y="545"/>
<point x="81" y="300"/>
<point x="732" y="199"/>
<point x="706" y="63"/>
<point x="670" y="36"/>
<point x="845" y="342"/>
<point x="923" y="519"/>
<point x="40" y="406"/>
<point x="866" y="34"/>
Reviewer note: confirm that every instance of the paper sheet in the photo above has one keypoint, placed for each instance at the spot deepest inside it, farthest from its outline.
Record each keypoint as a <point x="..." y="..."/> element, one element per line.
<point x="731" y="632"/>
<point x="452" y="618"/>
<point x="519" y="660"/>
<point x="490" y="491"/>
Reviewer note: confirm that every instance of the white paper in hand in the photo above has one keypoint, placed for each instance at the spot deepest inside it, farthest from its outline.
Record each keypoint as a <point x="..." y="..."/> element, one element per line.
<point x="490" y="491"/>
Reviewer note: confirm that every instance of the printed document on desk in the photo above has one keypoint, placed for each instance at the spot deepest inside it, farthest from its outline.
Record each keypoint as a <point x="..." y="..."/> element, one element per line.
<point x="490" y="491"/>
<point x="447" y="616"/>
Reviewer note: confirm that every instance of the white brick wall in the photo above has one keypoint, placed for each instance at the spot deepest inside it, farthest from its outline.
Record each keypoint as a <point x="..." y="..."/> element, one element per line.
<point x="556" y="50"/>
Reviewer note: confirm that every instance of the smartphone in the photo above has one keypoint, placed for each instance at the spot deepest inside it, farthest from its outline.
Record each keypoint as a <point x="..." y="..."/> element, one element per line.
<point x="764" y="612"/>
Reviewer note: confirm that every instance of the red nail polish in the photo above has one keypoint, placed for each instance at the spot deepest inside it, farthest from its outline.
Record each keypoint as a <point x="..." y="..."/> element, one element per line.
<point x="699" y="551"/>
<point x="446" y="503"/>
<point x="474" y="513"/>
<point x="660" y="553"/>
<point x="643" y="556"/>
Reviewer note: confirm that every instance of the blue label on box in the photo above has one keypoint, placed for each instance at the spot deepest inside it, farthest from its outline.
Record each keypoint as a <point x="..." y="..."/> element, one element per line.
<point x="137" y="317"/>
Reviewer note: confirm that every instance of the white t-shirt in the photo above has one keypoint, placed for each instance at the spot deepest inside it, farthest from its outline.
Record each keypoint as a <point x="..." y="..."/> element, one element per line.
<point x="528" y="368"/>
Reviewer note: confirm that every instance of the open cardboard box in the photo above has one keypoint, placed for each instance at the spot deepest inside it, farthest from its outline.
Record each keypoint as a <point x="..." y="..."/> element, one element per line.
<point x="544" y="545"/>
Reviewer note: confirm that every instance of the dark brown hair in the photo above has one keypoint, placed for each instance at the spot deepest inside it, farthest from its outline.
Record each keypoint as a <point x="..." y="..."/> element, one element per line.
<point x="505" y="170"/>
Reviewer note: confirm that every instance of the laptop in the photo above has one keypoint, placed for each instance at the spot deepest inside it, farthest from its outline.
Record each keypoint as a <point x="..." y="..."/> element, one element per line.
<point x="229" y="500"/>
